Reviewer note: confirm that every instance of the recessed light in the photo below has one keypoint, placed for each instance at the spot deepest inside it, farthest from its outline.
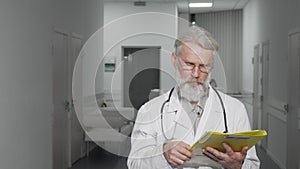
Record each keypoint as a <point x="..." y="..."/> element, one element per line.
<point x="201" y="5"/>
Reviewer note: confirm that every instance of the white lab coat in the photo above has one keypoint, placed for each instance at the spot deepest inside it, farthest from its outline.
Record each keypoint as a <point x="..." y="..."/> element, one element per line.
<point x="147" y="138"/>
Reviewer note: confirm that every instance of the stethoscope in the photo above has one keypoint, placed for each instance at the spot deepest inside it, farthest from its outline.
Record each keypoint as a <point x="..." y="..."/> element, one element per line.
<point x="168" y="100"/>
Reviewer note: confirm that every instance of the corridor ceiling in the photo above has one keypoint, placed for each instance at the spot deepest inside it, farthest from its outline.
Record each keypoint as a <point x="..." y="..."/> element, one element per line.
<point x="219" y="5"/>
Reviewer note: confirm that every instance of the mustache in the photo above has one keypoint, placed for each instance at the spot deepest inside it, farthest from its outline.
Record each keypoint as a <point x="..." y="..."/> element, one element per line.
<point x="195" y="80"/>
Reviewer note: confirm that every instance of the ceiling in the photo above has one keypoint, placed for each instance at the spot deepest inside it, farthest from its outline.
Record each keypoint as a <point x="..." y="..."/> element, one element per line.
<point x="219" y="5"/>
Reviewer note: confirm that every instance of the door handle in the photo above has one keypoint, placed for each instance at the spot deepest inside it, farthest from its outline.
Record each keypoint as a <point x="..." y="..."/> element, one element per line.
<point x="67" y="106"/>
<point x="286" y="108"/>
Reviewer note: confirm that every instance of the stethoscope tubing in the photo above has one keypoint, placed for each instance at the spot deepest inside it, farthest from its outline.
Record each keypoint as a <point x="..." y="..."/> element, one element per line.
<point x="224" y="112"/>
<point x="161" y="113"/>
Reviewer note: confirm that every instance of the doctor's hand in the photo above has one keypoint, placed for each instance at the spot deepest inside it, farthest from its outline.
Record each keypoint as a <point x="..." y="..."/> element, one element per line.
<point x="229" y="159"/>
<point x="176" y="153"/>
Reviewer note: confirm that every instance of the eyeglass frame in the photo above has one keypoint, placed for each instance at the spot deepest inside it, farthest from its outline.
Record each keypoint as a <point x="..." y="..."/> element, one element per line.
<point x="191" y="66"/>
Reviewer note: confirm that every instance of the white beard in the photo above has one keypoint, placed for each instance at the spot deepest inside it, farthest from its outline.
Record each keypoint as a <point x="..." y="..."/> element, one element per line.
<point x="193" y="93"/>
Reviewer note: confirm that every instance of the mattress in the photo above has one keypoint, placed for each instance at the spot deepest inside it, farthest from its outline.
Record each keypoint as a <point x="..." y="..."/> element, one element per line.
<point x="108" y="118"/>
<point x="106" y="134"/>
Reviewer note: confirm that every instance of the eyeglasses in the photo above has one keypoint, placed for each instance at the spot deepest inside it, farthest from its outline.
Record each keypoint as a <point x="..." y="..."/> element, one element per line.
<point x="191" y="66"/>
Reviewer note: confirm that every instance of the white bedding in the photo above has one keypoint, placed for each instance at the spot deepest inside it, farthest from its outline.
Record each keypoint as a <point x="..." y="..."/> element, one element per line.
<point x="110" y="124"/>
<point x="108" y="118"/>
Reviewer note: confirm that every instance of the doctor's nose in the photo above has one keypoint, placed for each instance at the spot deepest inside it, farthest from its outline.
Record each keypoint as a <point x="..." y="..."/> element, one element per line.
<point x="197" y="73"/>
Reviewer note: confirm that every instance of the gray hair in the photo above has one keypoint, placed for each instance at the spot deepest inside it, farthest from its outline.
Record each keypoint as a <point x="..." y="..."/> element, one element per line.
<point x="198" y="36"/>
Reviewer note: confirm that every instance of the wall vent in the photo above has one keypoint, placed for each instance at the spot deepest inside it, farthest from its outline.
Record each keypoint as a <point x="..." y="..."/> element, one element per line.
<point x="139" y="3"/>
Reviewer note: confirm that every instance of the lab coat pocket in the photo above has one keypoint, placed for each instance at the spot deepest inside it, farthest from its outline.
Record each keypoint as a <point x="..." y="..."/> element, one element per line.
<point x="183" y="134"/>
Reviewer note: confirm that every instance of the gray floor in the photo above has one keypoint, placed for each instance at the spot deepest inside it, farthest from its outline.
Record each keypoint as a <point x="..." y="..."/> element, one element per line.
<point x="100" y="159"/>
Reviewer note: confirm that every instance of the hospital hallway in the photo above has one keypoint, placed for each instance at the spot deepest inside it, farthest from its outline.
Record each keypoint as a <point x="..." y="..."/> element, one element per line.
<point x="101" y="159"/>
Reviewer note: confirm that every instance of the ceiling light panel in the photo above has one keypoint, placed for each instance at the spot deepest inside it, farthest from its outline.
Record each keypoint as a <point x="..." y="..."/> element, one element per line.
<point x="201" y="5"/>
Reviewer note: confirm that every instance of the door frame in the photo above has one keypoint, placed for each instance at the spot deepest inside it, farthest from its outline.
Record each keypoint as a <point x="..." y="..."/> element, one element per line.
<point x="71" y="65"/>
<point x="64" y="161"/>
<point x="265" y="91"/>
<point x="257" y="85"/>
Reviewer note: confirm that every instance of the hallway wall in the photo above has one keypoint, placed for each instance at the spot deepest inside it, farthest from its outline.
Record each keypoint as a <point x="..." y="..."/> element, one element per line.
<point x="26" y="84"/>
<point x="152" y="25"/>
<point x="26" y="74"/>
<point x="78" y="16"/>
<point x="83" y="18"/>
<point x="271" y="20"/>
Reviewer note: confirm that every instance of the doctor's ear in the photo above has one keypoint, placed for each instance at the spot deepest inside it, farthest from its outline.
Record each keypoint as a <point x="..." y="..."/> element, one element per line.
<point x="174" y="59"/>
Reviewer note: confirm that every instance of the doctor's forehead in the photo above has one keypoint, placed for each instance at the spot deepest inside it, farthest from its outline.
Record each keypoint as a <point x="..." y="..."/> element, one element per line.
<point x="195" y="51"/>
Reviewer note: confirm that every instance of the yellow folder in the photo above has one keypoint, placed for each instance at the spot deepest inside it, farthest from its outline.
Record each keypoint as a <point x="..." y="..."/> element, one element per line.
<point x="215" y="139"/>
<point x="235" y="140"/>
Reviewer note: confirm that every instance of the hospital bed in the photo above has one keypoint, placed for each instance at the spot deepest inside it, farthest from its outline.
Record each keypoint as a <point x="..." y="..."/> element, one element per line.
<point x="108" y="126"/>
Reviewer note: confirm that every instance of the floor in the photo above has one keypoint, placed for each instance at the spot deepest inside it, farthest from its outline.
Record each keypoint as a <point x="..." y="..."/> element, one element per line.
<point x="100" y="159"/>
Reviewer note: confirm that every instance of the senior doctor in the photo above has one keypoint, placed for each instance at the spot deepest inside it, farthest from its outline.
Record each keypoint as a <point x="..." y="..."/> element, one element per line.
<point x="169" y="124"/>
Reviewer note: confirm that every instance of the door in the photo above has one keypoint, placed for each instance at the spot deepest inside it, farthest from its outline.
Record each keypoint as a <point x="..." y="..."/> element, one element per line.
<point x="141" y="74"/>
<point x="265" y="90"/>
<point x="256" y="85"/>
<point x="76" y="133"/>
<point x="60" y="96"/>
<point x="68" y="138"/>
<point x="293" y="136"/>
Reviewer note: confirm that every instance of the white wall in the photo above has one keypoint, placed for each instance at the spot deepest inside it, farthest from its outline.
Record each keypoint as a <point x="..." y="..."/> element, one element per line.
<point x="183" y="22"/>
<point x="271" y="20"/>
<point x="250" y="36"/>
<point x="26" y="74"/>
<point x="134" y="27"/>
<point x="261" y="23"/>
<point x="26" y="84"/>
<point x="78" y="16"/>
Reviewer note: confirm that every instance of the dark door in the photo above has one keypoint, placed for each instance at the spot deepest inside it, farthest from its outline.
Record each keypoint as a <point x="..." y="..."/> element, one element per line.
<point x="141" y="74"/>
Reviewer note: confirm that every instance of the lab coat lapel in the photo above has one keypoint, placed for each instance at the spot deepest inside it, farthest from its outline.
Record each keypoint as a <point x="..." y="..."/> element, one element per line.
<point x="184" y="130"/>
<point x="212" y="116"/>
<point x="181" y="116"/>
